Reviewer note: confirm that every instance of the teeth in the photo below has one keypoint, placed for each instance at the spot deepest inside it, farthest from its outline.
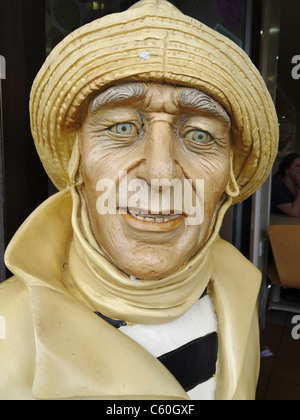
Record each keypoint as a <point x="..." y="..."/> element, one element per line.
<point x="155" y="218"/>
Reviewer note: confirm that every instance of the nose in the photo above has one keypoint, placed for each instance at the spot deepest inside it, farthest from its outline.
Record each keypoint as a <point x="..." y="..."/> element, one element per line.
<point x="160" y="160"/>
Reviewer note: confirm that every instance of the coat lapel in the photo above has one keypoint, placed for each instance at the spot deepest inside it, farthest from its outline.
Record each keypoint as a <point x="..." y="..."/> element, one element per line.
<point x="234" y="293"/>
<point x="80" y="355"/>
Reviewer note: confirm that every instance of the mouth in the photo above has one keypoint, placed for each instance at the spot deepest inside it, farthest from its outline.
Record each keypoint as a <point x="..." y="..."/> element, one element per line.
<point x="156" y="222"/>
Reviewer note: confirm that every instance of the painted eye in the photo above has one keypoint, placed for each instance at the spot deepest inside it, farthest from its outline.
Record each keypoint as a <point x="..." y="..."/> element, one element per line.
<point x="199" y="136"/>
<point x="126" y="129"/>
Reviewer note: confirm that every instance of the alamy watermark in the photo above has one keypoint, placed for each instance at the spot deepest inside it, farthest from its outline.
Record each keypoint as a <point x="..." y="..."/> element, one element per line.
<point x="2" y="328"/>
<point x="161" y="200"/>
<point x="296" y="329"/>
<point x="296" y="68"/>
<point x="2" y="67"/>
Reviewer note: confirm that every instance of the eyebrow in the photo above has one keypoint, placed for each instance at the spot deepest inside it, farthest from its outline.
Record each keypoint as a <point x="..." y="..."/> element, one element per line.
<point x="194" y="98"/>
<point x="117" y="94"/>
<point x="188" y="97"/>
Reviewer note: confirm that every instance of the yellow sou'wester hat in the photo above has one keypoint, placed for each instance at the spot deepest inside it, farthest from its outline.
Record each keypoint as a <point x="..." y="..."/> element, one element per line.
<point x="152" y="41"/>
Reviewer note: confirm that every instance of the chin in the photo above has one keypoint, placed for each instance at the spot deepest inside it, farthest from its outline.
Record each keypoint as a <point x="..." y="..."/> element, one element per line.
<point x="150" y="273"/>
<point x="149" y="264"/>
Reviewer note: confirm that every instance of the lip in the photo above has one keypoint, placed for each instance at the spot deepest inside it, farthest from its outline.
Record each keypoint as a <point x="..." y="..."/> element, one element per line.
<point x="163" y="223"/>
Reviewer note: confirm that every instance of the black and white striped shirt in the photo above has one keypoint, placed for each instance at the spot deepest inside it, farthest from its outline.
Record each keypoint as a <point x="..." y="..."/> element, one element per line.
<point x="188" y="347"/>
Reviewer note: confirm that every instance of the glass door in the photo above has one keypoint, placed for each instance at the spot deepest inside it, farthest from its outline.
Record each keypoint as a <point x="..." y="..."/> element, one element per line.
<point x="262" y="198"/>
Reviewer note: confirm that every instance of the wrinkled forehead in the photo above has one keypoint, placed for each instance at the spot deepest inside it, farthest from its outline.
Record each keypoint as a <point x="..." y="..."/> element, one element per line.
<point x="178" y="96"/>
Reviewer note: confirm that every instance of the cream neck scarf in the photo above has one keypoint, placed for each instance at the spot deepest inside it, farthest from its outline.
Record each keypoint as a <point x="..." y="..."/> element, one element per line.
<point x="105" y="289"/>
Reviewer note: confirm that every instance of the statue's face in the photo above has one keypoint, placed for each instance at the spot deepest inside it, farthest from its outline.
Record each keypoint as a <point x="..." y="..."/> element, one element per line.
<point x="137" y="139"/>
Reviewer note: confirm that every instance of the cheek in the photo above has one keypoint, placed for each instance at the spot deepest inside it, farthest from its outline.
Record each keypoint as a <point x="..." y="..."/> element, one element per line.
<point x="222" y="174"/>
<point x="216" y="172"/>
<point x="100" y="162"/>
<point x="94" y="164"/>
<point x="216" y="177"/>
<point x="89" y="170"/>
<point x="296" y="171"/>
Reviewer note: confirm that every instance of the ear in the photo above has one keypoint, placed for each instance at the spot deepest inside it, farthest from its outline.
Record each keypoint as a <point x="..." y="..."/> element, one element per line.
<point x="232" y="189"/>
<point x="74" y="164"/>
